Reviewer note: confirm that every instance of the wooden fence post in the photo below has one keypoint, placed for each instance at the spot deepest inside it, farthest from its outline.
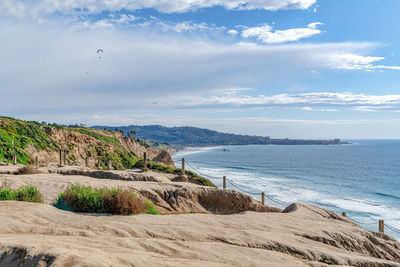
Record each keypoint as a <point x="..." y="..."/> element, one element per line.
<point x="344" y="214"/>
<point x="87" y="161"/>
<point x="36" y="161"/>
<point x="183" y="175"/>
<point x="99" y="163"/>
<point x="110" y="167"/>
<point x="224" y="183"/>
<point x="381" y="226"/>
<point x="15" y="159"/>
<point x="262" y="198"/>
<point x="61" y="158"/>
<point x="145" y="169"/>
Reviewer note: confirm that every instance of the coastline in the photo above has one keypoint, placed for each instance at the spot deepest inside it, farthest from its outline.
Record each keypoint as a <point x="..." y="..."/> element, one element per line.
<point x="288" y="181"/>
<point x="189" y="148"/>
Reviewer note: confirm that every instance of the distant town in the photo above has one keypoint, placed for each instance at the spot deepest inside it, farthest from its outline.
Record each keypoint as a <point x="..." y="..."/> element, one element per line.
<point x="193" y="136"/>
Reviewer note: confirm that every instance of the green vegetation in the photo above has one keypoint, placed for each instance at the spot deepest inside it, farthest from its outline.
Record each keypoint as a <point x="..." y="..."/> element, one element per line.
<point x="104" y="200"/>
<point x="23" y="133"/>
<point x="150" y="208"/>
<point x="202" y="180"/>
<point x="103" y="138"/>
<point x="121" y="158"/>
<point x="24" y="193"/>
<point x="37" y="134"/>
<point x="169" y="169"/>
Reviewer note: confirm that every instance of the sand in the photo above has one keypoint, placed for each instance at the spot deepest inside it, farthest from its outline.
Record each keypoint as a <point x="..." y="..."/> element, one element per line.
<point x="37" y="234"/>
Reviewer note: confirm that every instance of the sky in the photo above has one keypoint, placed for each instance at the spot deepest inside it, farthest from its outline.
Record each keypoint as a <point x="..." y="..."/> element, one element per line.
<point x="279" y="68"/>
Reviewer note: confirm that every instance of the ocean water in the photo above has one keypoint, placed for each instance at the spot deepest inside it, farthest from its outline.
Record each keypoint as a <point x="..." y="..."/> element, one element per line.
<point x="361" y="179"/>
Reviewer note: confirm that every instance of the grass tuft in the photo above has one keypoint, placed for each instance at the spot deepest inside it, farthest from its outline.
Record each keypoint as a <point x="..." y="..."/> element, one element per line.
<point x="24" y="193"/>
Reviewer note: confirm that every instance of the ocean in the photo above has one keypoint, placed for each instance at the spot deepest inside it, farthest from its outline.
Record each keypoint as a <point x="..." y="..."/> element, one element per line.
<point x="361" y="179"/>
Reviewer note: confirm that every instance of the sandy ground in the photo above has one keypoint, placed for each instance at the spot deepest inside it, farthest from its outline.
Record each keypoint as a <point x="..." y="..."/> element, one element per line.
<point x="50" y="185"/>
<point x="40" y="235"/>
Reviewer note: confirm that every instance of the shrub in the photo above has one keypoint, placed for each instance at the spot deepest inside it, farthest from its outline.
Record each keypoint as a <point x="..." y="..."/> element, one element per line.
<point x="26" y="170"/>
<point x="116" y="201"/>
<point x="24" y="193"/>
<point x="6" y="194"/>
<point x="125" y="203"/>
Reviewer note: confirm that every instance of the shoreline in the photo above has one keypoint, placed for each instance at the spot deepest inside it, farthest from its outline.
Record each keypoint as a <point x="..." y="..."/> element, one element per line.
<point x="188" y="148"/>
<point x="287" y="186"/>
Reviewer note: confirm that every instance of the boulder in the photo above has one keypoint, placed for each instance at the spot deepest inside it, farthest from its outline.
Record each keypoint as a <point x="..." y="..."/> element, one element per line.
<point x="165" y="158"/>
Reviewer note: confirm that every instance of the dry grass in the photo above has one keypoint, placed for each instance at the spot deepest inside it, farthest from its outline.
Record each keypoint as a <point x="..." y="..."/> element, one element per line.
<point x="27" y="170"/>
<point x="125" y="203"/>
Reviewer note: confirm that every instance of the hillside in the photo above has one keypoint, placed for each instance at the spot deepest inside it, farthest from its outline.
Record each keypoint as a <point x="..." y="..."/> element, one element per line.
<point x="192" y="136"/>
<point x="188" y="136"/>
<point x="31" y="140"/>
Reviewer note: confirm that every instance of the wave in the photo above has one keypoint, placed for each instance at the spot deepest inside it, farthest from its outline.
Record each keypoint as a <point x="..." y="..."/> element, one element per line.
<point x="333" y="190"/>
<point x="386" y="195"/>
<point x="282" y="190"/>
<point x="237" y="168"/>
<point x="193" y="150"/>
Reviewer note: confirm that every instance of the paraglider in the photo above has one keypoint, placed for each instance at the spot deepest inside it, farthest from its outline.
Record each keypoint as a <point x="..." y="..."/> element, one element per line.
<point x="100" y="51"/>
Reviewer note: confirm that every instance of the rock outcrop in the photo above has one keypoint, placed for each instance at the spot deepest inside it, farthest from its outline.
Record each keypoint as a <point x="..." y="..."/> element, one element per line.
<point x="168" y="196"/>
<point x="33" y="234"/>
<point x="165" y="158"/>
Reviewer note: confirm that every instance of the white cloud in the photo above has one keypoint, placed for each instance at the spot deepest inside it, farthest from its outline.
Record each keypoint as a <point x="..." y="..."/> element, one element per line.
<point x="374" y="108"/>
<point x="143" y="66"/>
<point x="265" y="34"/>
<point x="184" y="26"/>
<point x="37" y="8"/>
<point x="232" y="32"/>
<point x="374" y="102"/>
<point x="134" y="22"/>
<point x="246" y="123"/>
<point x="352" y="61"/>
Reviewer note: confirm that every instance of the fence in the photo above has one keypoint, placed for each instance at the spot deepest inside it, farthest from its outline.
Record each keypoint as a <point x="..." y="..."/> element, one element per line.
<point x="381" y="223"/>
<point x="237" y="186"/>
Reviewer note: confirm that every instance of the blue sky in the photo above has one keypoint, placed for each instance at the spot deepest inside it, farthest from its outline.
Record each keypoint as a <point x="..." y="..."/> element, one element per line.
<point x="283" y="68"/>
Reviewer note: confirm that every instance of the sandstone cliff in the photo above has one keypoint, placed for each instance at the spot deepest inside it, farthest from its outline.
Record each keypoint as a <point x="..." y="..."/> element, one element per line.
<point x="39" y="143"/>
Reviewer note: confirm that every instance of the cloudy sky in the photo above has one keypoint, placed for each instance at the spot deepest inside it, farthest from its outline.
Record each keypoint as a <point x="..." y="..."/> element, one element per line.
<point x="282" y="68"/>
